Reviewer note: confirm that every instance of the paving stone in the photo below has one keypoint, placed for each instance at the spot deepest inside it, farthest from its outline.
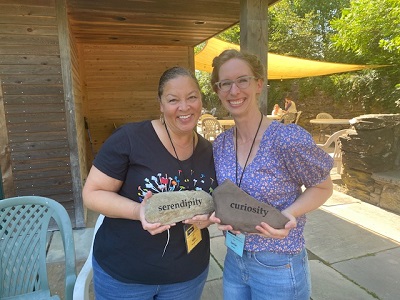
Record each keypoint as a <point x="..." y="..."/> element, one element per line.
<point x="379" y="273"/>
<point x="366" y="215"/>
<point x="218" y="249"/>
<point x="333" y="239"/>
<point x="215" y="271"/>
<point x="214" y="231"/>
<point x="82" y="240"/>
<point x="328" y="284"/>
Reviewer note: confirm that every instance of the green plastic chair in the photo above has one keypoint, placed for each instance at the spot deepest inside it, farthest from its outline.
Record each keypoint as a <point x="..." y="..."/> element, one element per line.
<point x="24" y="223"/>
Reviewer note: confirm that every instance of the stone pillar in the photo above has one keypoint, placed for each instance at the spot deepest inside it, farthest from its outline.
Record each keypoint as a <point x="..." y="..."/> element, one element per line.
<point x="374" y="148"/>
<point x="387" y="190"/>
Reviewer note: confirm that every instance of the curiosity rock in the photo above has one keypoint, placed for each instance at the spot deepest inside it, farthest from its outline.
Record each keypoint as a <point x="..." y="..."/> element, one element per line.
<point x="235" y="207"/>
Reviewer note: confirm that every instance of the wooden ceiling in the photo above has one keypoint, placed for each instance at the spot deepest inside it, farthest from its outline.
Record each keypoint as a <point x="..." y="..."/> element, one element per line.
<point x="151" y="22"/>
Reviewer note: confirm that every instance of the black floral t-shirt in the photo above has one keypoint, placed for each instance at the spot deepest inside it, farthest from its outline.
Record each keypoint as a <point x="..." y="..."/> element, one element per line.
<point x="135" y="155"/>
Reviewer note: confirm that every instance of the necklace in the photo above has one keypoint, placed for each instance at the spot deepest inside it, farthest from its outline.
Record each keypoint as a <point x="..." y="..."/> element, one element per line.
<point x="176" y="154"/>
<point x="248" y="156"/>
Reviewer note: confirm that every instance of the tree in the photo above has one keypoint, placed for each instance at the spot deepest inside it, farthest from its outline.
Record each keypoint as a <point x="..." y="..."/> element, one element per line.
<point x="370" y="30"/>
<point x="349" y="31"/>
<point x="290" y="33"/>
<point x="302" y="27"/>
<point x="210" y="99"/>
<point x="231" y="35"/>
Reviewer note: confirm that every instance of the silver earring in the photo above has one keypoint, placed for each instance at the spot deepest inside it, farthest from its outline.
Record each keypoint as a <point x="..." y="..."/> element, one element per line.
<point x="162" y="120"/>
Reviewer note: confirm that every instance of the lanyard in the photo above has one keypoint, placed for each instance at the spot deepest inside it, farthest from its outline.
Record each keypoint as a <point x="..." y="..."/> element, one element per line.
<point x="248" y="156"/>
<point x="177" y="158"/>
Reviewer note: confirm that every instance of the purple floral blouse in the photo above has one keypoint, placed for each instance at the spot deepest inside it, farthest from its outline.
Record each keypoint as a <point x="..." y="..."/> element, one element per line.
<point x="287" y="159"/>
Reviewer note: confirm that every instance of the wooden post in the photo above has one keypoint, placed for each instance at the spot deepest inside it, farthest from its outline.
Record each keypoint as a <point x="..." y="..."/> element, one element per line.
<point x="254" y="37"/>
<point x="65" y="55"/>
<point x="7" y="189"/>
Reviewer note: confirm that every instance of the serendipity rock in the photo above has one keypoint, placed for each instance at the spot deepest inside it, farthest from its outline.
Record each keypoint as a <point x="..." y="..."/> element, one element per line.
<point x="235" y="207"/>
<point x="171" y="207"/>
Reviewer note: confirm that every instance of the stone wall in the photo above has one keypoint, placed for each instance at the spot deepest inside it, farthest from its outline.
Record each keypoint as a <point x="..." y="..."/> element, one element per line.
<point x="386" y="190"/>
<point x="371" y="160"/>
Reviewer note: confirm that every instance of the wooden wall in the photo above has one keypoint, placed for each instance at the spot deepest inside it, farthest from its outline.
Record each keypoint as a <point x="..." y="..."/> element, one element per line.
<point x="33" y="99"/>
<point x="50" y="84"/>
<point x="121" y="84"/>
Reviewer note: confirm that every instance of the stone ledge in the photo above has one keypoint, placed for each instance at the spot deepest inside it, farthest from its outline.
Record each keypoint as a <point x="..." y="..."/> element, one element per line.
<point x="388" y="177"/>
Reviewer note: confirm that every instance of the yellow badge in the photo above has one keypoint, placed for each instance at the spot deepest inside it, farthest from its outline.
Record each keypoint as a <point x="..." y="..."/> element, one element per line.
<point x="192" y="236"/>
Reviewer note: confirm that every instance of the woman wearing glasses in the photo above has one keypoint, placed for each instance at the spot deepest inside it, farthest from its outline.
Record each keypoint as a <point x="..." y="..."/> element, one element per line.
<point x="271" y="162"/>
<point x="134" y="259"/>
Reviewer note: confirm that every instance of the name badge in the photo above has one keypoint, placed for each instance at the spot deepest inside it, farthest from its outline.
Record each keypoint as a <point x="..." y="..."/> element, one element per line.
<point x="235" y="242"/>
<point x="192" y="236"/>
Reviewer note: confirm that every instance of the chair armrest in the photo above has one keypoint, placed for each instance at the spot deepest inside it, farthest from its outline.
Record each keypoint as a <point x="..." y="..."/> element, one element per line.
<point x="85" y="276"/>
<point x="324" y="146"/>
<point x="334" y="137"/>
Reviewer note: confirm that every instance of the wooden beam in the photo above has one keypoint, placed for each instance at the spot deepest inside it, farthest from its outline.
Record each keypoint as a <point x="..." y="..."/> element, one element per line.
<point x="65" y="55"/>
<point x="6" y="174"/>
<point x="254" y="37"/>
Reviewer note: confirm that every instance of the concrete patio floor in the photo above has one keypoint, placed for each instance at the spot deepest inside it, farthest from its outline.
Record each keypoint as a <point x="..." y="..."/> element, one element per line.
<point x="354" y="252"/>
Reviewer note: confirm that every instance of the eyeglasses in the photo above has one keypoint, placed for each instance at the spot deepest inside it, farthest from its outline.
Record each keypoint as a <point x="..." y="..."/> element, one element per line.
<point x="241" y="82"/>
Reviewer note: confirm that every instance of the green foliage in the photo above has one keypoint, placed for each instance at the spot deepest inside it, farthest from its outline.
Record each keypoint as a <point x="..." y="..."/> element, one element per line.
<point x="231" y="35"/>
<point x="370" y="31"/>
<point x="291" y="34"/>
<point x="199" y="47"/>
<point x="349" y="31"/>
<point x="365" y="89"/>
<point x="210" y="99"/>
<point x="301" y="27"/>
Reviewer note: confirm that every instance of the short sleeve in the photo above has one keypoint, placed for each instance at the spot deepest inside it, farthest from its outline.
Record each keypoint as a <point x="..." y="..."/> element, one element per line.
<point x="113" y="157"/>
<point x="306" y="162"/>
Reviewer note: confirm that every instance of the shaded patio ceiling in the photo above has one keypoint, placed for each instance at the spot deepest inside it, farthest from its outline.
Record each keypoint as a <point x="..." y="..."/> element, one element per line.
<point x="151" y="22"/>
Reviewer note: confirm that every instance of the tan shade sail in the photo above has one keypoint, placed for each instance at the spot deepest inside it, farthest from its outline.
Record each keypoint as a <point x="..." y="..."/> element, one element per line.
<point x="279" y="66"/>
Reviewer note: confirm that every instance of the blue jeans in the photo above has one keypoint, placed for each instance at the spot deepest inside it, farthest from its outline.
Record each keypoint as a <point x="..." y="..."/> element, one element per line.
<point x="108" y="288"/>
<point x="266" y="275"/>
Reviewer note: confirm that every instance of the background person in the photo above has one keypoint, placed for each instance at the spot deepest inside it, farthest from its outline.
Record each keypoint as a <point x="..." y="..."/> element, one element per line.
<point x="271" y="162"/>
<point x="133" y="259"/>
<point x="277" y="110"/>
<point x="290" y="106"/>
